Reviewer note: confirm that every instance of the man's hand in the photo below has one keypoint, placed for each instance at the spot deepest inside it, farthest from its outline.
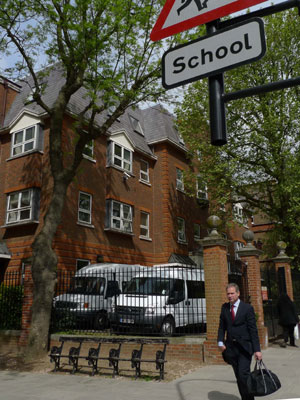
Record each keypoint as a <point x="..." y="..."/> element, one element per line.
<point x="222" y="348"/>
<point x="258" y="355"/>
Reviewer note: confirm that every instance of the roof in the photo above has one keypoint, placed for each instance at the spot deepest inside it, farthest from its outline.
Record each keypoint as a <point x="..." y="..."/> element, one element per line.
<point x="181" y="259"/>
<point x="157" y="124"/>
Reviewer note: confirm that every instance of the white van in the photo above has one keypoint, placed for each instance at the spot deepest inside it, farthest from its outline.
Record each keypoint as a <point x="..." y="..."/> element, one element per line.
<point x="90" y="296"/>
<point x="161" y="299"/>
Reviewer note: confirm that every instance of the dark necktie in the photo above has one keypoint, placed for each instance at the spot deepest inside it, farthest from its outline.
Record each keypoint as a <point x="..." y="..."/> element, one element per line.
<point x="232" y="313"/>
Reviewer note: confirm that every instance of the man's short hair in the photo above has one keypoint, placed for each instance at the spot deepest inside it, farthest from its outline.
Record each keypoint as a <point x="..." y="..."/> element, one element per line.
<point x="237" y="289"/>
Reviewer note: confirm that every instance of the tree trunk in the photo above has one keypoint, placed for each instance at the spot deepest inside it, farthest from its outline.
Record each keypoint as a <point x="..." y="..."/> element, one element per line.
<point x="44" y="262"/>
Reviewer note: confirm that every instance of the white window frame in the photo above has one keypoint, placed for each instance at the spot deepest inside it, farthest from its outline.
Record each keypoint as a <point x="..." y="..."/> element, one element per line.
<point x="181" y="235"/>
<point x="89" y="148"/>
<point x="126" y="165"/>
<point x="179" y="179"/>
<point x="201" y="193"/>
<point x="144" y="175"/>
<point x="197" y="236"/>
<point x="121" y="219"/>
<point x="19" y="209"/>
<point x="22" y="144"/>
<point x="85" y="211"/>
<point x="145" y="227"/>
<point x="238" y="213"/>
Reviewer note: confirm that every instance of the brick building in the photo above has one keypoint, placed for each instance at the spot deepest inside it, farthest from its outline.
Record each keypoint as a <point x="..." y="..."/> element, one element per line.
<point x="127" y="203"/>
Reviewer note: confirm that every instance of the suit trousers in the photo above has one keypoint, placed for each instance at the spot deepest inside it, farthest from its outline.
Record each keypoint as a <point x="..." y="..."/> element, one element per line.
<point x="241" y="362"/>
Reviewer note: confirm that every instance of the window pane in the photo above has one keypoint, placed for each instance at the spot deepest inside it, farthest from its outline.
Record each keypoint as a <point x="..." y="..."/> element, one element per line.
<point x="126" y="155"/>
<point x="25" y="199"/>
<point x="84" y="217"/>
<point x="144" y="219"/>
<point x="118" y="150"/>
<point x="29" y="133"/>
<point x="117" y="162"/>
<point x="144" y="232"/>
<point x="12" y="216"/>
<point x="84" y="202"/>
<point x="13" y="201"/>
<point x="17" y="150"/>
<point x="25" y="214"/>
<point x="116" y="223"/>
<point x="116" y="209"/>
<point x="127" y="226"/>
<point x="28" y="146"/>
<point x="126" y="211"/>
<point x="18" y="137"/>
<point x="126" y="166"/>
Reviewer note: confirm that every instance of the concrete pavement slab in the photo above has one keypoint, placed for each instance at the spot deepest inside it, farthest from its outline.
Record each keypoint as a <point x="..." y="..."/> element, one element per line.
<point x="212" y="382"/>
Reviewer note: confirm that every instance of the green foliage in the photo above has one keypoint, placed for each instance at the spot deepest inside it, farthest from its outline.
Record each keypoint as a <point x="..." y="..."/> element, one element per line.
<point x="11" y="298"/>
<point x="261" y="162"/>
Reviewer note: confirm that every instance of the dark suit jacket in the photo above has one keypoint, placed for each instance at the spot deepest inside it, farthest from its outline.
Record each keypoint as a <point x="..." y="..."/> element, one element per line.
<point x="243" y="330"/>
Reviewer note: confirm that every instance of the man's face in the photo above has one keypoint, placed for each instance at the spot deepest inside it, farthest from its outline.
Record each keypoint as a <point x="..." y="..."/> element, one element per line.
<point x="232" y="295"/>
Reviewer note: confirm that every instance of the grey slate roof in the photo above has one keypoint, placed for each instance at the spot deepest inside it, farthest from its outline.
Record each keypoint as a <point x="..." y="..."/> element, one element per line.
<point x="157" y="123"/>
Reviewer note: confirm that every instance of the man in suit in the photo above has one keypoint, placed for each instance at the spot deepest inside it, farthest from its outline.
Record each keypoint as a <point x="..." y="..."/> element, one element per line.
<point x="237" y="321"/>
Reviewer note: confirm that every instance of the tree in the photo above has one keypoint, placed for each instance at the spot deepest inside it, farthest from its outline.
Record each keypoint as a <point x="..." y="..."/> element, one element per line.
<point x="103" y="48"/>
<point x="260" y="165"/>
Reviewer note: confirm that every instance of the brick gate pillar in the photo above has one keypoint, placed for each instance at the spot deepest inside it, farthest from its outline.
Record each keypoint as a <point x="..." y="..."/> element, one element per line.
<point x="250" y="256"/>
<point x="27" y="304"/>
<point x="283" y="261"/>
<point x="216" y="279"/>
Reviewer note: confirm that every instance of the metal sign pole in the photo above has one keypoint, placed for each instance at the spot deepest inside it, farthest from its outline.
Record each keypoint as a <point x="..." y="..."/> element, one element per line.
<point x="216" y="103"/>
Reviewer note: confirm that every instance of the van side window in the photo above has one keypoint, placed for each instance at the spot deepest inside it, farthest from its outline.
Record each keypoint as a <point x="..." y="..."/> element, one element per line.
<point x="195" y="289"/>
<point x="178" y="287"/>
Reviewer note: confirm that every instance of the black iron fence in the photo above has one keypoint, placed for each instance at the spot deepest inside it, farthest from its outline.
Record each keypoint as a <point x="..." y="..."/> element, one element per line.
<point x="11" y="298"/>
<point x="161" y="300"/>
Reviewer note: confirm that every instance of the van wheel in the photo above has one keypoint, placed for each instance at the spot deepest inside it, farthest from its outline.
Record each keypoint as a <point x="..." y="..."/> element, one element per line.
<point x="101" y="321"/>
<point x="168" y="327"/>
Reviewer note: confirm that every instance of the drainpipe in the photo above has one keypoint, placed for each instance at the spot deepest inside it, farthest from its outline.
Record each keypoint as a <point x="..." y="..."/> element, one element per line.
<point x="5" y="85"/>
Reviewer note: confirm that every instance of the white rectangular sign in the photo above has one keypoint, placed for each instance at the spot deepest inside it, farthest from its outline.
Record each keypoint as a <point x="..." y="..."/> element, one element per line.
<point x="213" y="54"/>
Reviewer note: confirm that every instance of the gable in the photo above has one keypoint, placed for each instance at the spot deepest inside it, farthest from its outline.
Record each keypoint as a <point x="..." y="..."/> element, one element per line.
<point x="122" y="139"/>
<point x="24" y="121"/>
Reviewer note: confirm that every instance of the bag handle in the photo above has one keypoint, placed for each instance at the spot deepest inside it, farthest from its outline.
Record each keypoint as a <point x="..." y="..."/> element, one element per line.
<point x="261" y="366"/>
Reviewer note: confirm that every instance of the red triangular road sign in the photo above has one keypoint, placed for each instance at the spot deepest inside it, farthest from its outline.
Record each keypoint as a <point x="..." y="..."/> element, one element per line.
<point x="180" y="15"/>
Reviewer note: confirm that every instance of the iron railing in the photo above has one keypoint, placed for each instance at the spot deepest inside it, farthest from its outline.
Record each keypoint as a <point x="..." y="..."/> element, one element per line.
<point x="162" y="300"/>
<point x="11" y="298"/>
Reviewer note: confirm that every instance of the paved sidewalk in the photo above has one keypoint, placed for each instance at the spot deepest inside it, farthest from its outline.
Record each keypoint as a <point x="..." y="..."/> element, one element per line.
<point x="208" y="382"/>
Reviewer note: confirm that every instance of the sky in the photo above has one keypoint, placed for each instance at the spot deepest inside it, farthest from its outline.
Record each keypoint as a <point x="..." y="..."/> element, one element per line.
<point x="7" y="62"/>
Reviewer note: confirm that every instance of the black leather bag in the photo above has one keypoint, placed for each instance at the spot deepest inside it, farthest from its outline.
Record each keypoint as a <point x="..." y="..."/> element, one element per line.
<point x="262" y="381"/>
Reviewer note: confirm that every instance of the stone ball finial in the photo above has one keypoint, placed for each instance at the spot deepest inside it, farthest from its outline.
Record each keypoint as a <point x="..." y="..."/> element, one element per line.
<point x="248" y="236"/>
<point x="281" y="246"/>
<point x="214" y="222"/>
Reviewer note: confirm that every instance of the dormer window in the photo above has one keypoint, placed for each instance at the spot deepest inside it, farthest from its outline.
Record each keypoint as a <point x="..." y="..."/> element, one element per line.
<point x="27" y="140"/>
<point x="136" y="125"/>
<point x="118" y="156"/>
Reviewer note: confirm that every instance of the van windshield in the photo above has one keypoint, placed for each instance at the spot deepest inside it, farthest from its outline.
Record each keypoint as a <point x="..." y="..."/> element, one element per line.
<point x="149" y="286"/>
<point x="87" y="285"/>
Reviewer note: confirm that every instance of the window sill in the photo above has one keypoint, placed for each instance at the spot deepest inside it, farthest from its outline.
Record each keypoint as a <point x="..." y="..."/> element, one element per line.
<point x="25" y="154"/>
<point x="86" y="225"/>
<point x="145" y="238"/>
<point x="14" y="224"/>
<point x="89" y="158"/>
<point x="197" y="239"/>
<point x="180" y="190"/>
<point x="182" y="242"/>
<point x="121" y="169"/>
<point x="118" y="231"/>
<point x="145" y="182"/>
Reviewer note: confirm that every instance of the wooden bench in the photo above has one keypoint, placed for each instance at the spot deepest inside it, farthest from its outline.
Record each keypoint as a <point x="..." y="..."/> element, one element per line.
<point x="114" y="355"/>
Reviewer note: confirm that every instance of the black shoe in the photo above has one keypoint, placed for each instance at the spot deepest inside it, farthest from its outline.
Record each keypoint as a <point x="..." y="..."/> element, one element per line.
<point x="294" y="345"/>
